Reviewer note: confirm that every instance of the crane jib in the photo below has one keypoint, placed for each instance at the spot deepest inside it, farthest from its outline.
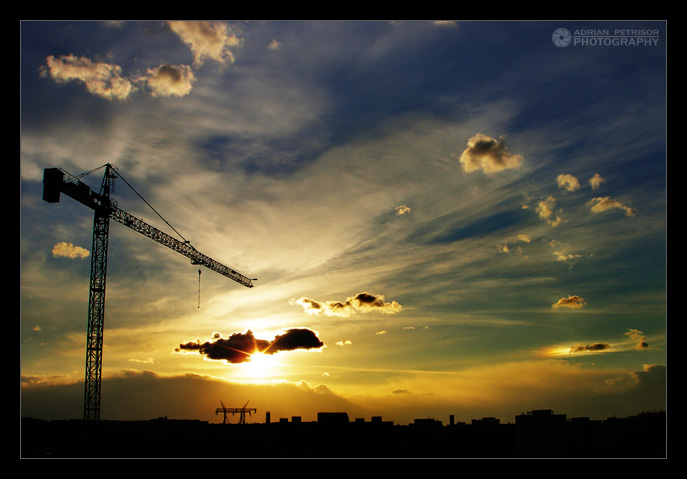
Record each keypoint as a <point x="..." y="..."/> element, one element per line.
<point x="54" y="183"/>
<point x="181" y="247"/>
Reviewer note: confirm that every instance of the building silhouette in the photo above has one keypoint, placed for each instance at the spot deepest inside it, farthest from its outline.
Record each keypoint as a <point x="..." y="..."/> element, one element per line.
<point x="535" y="434"/>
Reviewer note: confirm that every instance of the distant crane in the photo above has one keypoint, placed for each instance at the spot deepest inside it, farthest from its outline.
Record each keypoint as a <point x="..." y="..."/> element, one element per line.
<point x="56" y="181"/>
<point x="235" y="410"/>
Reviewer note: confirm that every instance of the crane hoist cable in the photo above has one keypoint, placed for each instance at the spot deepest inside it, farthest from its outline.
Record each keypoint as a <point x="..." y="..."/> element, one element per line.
<point x="151" y="207"/>
<point x="119" y="175"/>
<point x="168" y="224"/>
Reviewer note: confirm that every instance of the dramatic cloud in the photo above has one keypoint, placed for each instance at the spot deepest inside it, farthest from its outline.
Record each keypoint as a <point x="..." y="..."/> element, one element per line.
<point x="446" y="23"/>
<point x="402" y="210"/>
<point x="568" y="182"/>
<point x="651" y="381"/>
<point x="169" y="80"/>
<point x="590" y="347"/>
<point x="545" y="211"/>
<point x="239" y="347"/>
<point x="106" y="81"/>
<point x="362" y="302"/>
<point x="599" y="205"/>
<point x="68" y="250"/>
<point x="563" y="256"/>
<point x="296" y="338"/>
<point x="571" y="302"/>
<point x="488" y="154"/>
<point x="596" y="181"/>
<point x="638" y="336"/>
<point x="101" y="79"/>
<point x="211" y="40"/>
<point x="206" y="40"/>
<point x="367" y="302"/>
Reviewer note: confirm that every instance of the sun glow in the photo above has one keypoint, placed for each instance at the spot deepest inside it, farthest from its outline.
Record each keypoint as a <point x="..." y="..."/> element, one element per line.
<point x="261" y="366"/>
<point x="555" y="351"/>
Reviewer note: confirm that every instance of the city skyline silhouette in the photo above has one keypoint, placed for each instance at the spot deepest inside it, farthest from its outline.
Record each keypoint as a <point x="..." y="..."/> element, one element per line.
<point x="534" y="434"/>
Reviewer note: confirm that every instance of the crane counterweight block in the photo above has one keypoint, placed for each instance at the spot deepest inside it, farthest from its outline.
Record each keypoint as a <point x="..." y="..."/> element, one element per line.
<point x="52" y="181"/>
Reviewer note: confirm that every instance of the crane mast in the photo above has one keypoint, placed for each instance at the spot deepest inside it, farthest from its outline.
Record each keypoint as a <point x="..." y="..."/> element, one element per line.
<point x="105" y="208"/>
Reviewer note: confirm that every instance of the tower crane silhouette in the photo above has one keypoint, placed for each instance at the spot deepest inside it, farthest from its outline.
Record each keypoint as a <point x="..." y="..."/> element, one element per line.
<point x="242" y="411"/>
<point x="57" y="181"/>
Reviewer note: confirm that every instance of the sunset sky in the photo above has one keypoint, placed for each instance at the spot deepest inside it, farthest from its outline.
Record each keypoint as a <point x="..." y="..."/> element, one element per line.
<point x="460" y="218"/>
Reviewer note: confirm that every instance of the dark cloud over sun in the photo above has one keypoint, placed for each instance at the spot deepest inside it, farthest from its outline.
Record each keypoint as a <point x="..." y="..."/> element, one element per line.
<point x="239" y="347"/>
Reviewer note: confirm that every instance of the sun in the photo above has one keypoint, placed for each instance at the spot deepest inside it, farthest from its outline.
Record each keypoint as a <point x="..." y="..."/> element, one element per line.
<point x="260" y="366"/>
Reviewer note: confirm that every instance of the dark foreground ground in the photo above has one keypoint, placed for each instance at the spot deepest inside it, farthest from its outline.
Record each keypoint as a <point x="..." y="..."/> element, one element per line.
<point x="642" y="436"/>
